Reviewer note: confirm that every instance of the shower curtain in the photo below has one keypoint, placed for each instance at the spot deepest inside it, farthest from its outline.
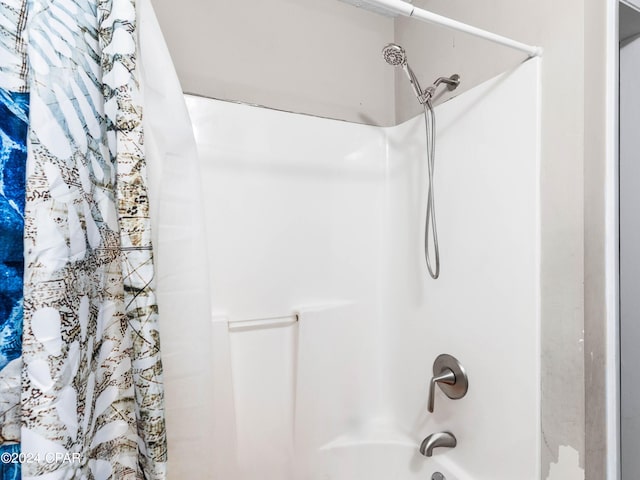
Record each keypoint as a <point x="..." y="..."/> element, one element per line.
<point x="81" y="391"/>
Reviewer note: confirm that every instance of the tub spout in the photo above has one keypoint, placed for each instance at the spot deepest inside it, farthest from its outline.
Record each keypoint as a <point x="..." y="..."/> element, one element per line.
<point x="440" y="439"/>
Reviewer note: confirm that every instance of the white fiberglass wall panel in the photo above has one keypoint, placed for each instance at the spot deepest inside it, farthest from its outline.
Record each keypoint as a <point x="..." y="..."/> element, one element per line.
<point x="292" y="207"/>
<point x="322" y="221"/>
<point x="484" y="307"/>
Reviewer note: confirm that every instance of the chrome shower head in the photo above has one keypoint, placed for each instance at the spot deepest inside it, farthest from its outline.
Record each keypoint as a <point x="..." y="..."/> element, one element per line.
<point x="394" y="55"/>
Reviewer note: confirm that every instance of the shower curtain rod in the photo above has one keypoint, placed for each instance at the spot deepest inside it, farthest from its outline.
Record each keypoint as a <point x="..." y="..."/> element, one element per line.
<point x="406" y="9"/>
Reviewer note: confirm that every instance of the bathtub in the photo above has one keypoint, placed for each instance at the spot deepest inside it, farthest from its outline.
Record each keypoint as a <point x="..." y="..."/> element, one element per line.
<point x="382" y="460"/>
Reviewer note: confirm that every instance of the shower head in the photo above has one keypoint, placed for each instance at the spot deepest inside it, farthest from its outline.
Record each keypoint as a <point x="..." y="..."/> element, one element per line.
<point x="394" y="55"/>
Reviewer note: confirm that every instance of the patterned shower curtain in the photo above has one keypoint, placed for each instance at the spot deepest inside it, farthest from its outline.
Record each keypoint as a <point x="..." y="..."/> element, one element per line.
<point x="81" y="391"/>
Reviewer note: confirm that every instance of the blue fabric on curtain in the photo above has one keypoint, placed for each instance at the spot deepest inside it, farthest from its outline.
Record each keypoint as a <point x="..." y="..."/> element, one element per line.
<point x="81" y="395"/>
<point x="14" y="117"/>
<point x="14" y="120"/>
<point x="10" y="470"/>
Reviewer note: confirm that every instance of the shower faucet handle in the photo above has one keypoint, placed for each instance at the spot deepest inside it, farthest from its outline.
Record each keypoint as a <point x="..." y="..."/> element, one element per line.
<point x="447" y="377"/>
<point x="450" y="376"/>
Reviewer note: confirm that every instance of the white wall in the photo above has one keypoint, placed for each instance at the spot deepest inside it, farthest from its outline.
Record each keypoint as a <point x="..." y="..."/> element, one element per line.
<point x="320" y="57"/>
<point x="324" y="218"/>
<point x="600" y="225"/>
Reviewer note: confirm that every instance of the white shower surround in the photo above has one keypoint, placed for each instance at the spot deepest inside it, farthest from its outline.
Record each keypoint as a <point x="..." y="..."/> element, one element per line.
<point x="324" y="219"/>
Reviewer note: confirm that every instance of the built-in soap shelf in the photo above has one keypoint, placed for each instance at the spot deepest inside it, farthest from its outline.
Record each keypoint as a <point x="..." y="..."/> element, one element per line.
<point x="261" y="323"/>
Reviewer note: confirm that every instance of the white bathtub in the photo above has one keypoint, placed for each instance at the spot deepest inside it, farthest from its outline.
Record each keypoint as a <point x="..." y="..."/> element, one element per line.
<point x="382" y="461"/>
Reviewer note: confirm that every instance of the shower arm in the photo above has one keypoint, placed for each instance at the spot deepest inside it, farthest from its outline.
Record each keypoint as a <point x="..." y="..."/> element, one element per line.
<point x="452" y="83"/>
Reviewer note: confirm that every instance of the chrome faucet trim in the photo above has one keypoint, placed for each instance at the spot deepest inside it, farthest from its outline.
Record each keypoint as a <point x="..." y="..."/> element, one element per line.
<point x="450" y="376"/>
<point x="435" y="440"/>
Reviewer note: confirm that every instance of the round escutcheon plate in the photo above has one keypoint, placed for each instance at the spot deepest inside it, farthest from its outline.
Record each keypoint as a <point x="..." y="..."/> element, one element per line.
<point x="458" y="389"/>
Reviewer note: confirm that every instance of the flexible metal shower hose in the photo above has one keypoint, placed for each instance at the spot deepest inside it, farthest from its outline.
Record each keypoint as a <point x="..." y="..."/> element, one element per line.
<point x="430" y="130"/>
